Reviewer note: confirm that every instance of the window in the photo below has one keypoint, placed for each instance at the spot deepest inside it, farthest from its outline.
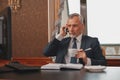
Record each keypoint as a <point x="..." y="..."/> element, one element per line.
<point x="103" y="20"/>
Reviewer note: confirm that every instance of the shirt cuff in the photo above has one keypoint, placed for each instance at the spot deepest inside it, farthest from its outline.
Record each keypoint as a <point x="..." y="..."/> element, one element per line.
<point x="88" y="62"/>
<point x="59" y="37"/>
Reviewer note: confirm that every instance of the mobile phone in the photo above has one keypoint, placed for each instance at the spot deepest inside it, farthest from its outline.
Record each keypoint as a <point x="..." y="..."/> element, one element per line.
<point x="66" y="30"/>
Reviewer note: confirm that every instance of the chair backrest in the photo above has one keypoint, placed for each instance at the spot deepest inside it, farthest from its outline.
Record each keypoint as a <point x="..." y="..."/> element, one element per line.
<point x="103" y="51"/>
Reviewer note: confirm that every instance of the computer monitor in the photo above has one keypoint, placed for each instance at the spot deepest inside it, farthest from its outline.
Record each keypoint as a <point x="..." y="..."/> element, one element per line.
<point x="5" y="34"/>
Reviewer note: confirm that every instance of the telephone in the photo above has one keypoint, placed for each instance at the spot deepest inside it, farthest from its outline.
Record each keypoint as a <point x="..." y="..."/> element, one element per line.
<point x="66" y="30"/>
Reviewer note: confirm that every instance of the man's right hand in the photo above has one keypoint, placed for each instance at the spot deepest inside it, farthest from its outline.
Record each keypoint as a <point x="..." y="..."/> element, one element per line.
<point x="62" y="31"/>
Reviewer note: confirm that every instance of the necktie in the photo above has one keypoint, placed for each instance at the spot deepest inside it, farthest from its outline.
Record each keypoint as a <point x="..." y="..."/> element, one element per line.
<point x="74" y="43"/>
<point x="74" y="59"/>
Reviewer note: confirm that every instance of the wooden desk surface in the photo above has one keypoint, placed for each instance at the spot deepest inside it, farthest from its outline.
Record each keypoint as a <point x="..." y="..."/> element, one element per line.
<point x="111" y="73"/>
<point x="32" y="61"/>
<point x="38" y="61"/>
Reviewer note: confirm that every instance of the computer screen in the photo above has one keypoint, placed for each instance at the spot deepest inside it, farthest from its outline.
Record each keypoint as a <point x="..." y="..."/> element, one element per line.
<point x="5" y="34"/>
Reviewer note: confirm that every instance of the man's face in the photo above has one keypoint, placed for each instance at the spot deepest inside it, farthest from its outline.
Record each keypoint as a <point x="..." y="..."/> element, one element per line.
<point x="74" y="26"/>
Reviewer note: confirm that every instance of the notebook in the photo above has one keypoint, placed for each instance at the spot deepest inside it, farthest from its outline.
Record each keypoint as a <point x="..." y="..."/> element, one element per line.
<point x="57" y="66"/>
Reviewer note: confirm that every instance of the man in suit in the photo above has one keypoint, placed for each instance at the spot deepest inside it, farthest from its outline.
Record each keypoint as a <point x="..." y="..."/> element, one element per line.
<point x="60" y="44"/>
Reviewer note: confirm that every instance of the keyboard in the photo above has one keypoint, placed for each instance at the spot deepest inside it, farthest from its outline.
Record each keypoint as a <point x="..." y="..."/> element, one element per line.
<point x="21" y="67"/>
<point x="6" y="69"/>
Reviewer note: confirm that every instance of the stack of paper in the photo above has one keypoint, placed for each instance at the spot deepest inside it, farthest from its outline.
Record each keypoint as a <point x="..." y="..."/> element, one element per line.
<point x="60" y="66"/>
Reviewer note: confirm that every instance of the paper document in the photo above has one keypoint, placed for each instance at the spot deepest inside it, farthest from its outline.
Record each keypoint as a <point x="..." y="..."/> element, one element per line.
<point x="60" y="66"/>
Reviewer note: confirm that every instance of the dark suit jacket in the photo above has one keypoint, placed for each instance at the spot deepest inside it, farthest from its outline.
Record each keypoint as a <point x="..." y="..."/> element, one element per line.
<point x="60" y="48"/>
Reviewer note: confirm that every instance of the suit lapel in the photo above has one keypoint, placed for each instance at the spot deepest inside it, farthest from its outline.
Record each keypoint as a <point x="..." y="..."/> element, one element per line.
<point x="66" y="45"/>
<point x="83" y="42"/>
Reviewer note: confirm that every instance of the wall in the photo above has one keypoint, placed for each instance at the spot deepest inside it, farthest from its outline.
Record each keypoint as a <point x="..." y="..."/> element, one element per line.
<point x="29" y="28"/>
<point x="3" y="4"/>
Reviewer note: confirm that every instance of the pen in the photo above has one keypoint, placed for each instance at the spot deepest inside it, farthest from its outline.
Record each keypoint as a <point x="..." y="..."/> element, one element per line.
<point x="88" y="49"/>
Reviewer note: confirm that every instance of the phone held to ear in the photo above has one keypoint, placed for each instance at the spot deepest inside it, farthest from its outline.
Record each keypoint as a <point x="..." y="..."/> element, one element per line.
<point x="66" y="30"/>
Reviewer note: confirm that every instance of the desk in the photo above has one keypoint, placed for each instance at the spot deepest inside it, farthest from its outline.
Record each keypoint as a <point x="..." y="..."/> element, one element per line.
<point x="38" y="61"/>
<point x="111" y="73"/>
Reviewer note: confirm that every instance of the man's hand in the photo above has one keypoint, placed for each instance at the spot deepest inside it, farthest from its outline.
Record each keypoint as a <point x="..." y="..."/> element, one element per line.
<point x="62" y="31"/>
<point x="81" y="54"/>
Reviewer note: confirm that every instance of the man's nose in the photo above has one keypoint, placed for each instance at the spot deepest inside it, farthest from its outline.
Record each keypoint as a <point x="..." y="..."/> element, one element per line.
<point x="71" y="28"/>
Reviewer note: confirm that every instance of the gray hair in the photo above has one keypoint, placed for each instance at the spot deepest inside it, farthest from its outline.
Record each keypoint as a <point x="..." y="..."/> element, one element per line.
<point x="77" y="15"/>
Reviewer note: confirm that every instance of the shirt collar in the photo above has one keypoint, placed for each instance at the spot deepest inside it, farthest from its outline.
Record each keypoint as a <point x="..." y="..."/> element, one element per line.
<point x="79" y="37"/>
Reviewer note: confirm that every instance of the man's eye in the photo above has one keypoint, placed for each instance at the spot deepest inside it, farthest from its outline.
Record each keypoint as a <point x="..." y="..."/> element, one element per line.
<point x="72" y="25"/>
<point x="69" y="25"/>
<point x="75" y="25"/>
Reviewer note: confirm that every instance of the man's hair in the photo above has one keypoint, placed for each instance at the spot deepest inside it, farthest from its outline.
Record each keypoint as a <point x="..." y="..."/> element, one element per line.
<point x="76" y="15"/>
